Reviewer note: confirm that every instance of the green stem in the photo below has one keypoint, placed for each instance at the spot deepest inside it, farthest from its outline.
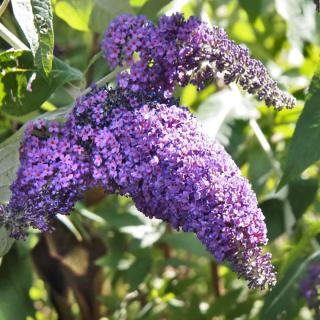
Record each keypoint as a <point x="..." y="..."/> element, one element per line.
<point x="9" y="37"/>
<point x="105" y="79"/>
<point x="92" y="61"/>
<point x="265" y="146"/>
<point x="3" y="6"/>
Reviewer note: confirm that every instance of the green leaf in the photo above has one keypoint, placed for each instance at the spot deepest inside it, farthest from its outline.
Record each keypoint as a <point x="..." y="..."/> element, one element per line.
<point x="106" y="10"/>
<point x="139" y="269"/>
<point x="298" y="13"/>
<point x="35" y="20"/>
<point x="137" y="3"/>
<point x="116" y="250"/>
<point x="221" y="109"/>
<point x="301" y="194"/>
<point x="118" y="220"/>
<point x="152" y="8"/>
<point x="23" y="87"/>
<point x="283" y="298"/>
<point x="15" y="282"/>
<point x="259" y="169"/>
<point x="5" y="241"/>
<point x="223" y="304"/>
<point x="76" y="13"/>
<point x="253" y="8"/>
<point x="273" y="210"/>
<point x="305" y="148"/>
<point x="9" y="162"/>
<point x="187" y="242"/>
<point x="43" y="21"/>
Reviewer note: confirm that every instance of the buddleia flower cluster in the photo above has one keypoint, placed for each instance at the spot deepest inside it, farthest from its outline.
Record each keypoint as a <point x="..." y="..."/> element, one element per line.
<point x="137" y="141"/>
<point x="179" y="51"/>
<point x="53" y="172"/>
<point x="155" y="151"/>
<point x="310" y="288"/>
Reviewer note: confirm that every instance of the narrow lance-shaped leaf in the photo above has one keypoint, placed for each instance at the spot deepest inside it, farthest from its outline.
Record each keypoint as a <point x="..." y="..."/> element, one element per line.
<point x="35" y="20"/>
<point x="43" y="21"/>
<point x="305" y="147"/>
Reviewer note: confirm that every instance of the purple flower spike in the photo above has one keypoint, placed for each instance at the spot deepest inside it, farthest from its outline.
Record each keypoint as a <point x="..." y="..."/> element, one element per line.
<point x="157" y="154"/>
<point x="310" y="287"/>
<point x="153" y="150"/>
<point x="180" y="51"/>
<point x="52" y="176"/>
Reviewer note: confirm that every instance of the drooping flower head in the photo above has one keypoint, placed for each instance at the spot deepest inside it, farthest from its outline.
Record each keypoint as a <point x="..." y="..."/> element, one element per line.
<point x="153" y="150"/>
<point x="179" y="51"/>
<point x="310" y="287"/>
<point x="53" y="172"/>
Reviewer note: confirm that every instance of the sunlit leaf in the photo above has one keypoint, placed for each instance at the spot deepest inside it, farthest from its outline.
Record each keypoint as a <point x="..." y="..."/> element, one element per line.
<point x="76" y="13"/>
<point x="222" y="108"/>
<point x="148" y="232"/>
<point x="187" y="242"/>
<point x="298" y="13"/>
<point x="35" y="20"/>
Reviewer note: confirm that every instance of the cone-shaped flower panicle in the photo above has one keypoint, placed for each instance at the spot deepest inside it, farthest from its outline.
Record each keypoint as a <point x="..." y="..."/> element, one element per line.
<point x="310" y="287"/>
<point x="153" y="150"/>
<point x="179" y="51"/>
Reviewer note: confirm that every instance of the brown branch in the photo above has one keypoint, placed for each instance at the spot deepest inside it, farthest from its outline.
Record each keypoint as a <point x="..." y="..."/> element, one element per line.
<point x="217" y="284"/>
<point x="66" y="266"/>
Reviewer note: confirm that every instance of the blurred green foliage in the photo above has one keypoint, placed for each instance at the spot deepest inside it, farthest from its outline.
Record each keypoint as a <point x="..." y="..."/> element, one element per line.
<point x="107" y="261"/>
